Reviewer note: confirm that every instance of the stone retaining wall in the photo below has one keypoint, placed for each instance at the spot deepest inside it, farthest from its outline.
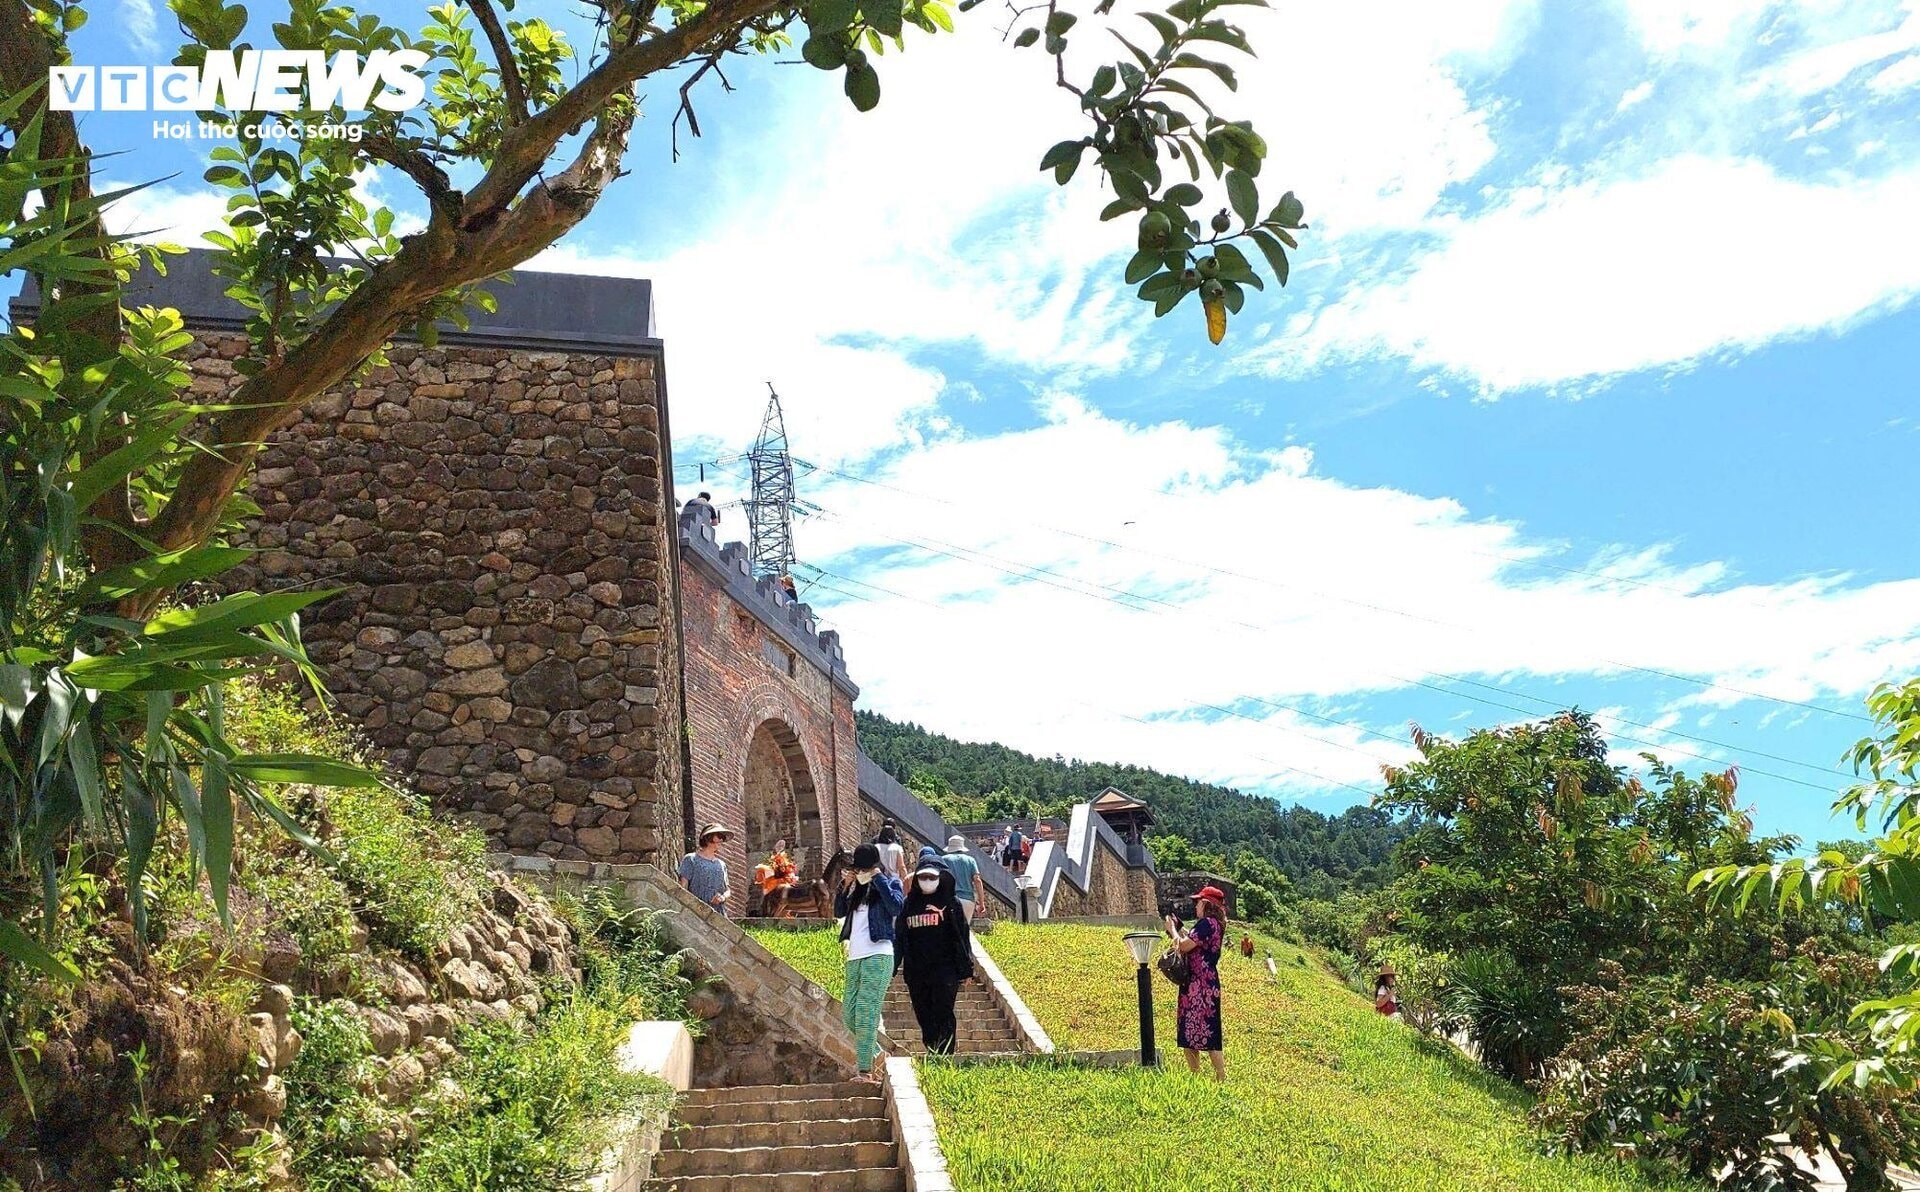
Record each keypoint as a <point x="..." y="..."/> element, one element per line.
<point x="765" y="1023"/>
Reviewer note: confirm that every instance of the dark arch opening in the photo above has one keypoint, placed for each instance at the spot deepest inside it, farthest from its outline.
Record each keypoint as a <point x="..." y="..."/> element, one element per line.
<point x="778" y="801"/>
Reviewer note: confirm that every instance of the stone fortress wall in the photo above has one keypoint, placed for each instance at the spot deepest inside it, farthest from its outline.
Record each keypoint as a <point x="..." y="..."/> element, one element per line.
<point x="496" y="511"/>
<point x="525" y="626"/>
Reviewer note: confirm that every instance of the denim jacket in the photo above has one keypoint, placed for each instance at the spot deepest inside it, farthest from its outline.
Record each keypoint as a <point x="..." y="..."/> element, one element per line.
<point x="882" y="907"/>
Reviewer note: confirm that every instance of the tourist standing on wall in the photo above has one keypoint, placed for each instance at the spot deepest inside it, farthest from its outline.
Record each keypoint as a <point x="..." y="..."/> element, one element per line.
<point x="1197" y="1021"/>
<point x="702" y="506"/>
<point x="867" y="903"/>
<point x="702" y="871"/>
<point x="936" y="951"/>
<point x="892" y="856"/>
<point x="1010" y="855"/>
<point x="966" y="871"/>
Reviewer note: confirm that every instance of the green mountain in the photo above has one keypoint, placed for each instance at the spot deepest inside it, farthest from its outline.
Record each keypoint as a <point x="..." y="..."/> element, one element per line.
<point x="966" y="781"/>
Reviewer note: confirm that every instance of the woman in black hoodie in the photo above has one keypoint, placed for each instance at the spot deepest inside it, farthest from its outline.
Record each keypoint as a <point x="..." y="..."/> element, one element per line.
<point x="935" y="950"/>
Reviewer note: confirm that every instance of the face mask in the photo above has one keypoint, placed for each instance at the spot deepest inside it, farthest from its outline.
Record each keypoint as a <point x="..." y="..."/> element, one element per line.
<point x="929" y="884"/>
<point x="863" y="878"/>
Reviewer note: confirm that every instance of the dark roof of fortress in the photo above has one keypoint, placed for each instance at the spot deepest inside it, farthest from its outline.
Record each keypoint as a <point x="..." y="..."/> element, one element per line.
<point x="566" y="312"/>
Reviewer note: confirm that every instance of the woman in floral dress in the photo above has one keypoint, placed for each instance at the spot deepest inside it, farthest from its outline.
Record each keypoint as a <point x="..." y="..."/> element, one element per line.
<point x="1198" y="1017"/>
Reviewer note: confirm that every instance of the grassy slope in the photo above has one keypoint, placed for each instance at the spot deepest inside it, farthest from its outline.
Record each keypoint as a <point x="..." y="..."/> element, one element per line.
<point x="1321" y="1094"/>
<point x="816" y="954"/>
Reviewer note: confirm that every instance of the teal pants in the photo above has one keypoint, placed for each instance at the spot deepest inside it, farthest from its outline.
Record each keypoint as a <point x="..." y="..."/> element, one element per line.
<point x="867" y="981"/>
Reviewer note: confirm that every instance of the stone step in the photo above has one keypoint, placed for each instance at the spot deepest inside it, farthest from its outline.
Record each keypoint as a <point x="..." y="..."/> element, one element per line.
<point x="1001" y="1031"/>
<point x="774" y="1160"/>
<point x="778" y="1092"/>
<point x="804" y="1132"/>
<point x="872" y="1179"/>
<point x="733" y="1113"/>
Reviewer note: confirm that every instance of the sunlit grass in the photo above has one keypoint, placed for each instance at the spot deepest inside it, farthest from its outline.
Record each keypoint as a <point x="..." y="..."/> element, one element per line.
<point x="816" y="953"/>
<point x="1322" y="1093"/>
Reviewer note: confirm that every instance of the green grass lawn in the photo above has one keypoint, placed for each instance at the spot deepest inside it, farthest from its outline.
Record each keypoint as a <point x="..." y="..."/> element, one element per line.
<point x="815" y="954"/>
<point x="1322" y="1093"/>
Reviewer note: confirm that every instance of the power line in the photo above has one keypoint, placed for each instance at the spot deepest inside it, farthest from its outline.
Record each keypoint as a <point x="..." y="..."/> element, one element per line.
<point x="1314" y="774"/>
<point x="1033" y="572"/>
<point x="1386" y="609"/>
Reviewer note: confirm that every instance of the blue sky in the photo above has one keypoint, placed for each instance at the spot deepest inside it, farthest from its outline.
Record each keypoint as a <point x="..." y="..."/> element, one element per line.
<point x="1597" y="362"/>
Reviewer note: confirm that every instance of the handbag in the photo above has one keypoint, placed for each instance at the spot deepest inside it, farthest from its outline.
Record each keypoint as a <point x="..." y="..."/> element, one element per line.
<point x="1174" y="967"/>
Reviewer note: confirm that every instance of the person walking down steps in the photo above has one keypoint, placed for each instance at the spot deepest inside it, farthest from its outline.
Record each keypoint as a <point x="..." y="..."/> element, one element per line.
<point x="966" y="871"/>
<point x="935" y="949"/>
<point x="867" y="904"/>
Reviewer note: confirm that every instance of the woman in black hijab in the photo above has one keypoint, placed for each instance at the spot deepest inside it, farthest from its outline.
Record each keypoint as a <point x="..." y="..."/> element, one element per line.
<point x="935" y="950"/>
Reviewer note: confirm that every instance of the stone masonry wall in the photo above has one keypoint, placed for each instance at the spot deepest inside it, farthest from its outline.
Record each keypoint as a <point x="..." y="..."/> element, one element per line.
<point x="499" y="521"/>
<point x="1112" y="889"/>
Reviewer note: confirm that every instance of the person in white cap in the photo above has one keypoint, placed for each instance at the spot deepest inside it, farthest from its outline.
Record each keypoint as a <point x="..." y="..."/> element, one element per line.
<point x="965" y="871"/>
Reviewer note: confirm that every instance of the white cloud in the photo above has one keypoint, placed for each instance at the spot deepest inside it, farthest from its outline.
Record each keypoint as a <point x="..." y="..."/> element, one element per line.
<point x="141" y="26"/>
<point x="1345" y="592"/>
<point x="1635" y="94"/>
<point x="1593" y="280"/>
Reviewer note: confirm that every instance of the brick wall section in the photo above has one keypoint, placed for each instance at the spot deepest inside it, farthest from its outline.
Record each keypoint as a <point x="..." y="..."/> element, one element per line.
<point x="500" y="524"/>
<point x="762" y="683"/>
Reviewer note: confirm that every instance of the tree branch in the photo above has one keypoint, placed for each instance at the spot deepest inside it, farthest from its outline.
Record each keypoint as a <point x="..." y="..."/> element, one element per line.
<point x="525" y="147"/>
<point x="686" y="99"/>
<point x="510" y="81"/>
<point x="486" y="234"/>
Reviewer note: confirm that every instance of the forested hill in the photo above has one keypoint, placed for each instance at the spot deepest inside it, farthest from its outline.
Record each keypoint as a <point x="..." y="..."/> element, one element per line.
<point x="966" y="781"/>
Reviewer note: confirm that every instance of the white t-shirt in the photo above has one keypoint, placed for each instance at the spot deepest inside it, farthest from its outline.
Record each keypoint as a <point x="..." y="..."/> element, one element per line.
<point x="890" y="858"/>
<point x="860" y="942"/>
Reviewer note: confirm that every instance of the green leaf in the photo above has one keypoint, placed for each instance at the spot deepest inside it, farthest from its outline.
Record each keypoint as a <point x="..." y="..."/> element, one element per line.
<point x="1103" y="81"/>
<point x="1063" y="153"/>
<point x="18" y="946"/>
<point x="863" y="87"/>
<point x="306" y="768"/>
<point x="1168" y="31"/>
<point x="234" y="612"/>
<point x="1058" y="22"/>
<point x="1186" y="194"/>
<point x="1026" y="38"/>
<point x="1244" y="196"/>
<point x="1159" y="285"/>
<point x="225" y="176"/>
<point x="1142" y="266"/>
<point x="884" y="16"/>
<point x="123" y="461"/>
<point x="1234" y="267"/>
<point x="1195" y="62"/>
<point x="216" y="809"/>
<point x="156" y="571"/>
<point x="1276" y="255"/>
<point x="1289" y="211"/>
<point x="1117" y="208"/>
<point x="84" y="760"/>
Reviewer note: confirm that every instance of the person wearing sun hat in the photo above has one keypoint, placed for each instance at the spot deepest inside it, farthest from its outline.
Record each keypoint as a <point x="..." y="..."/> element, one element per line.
<point x="1386" y="998"/>
<point x="965" y="871"/>
<point x="702" y="871"/>
<point x="866" y="905"/>
<point x="1197" y="1019"/>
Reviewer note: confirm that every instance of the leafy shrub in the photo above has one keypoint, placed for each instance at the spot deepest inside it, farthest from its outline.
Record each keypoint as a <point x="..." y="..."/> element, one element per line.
<point x="329" y="1110"/>
<point x="413" y="876"/>
<point x="1706" y="1081"/>
<point x="1512" y="1015"/>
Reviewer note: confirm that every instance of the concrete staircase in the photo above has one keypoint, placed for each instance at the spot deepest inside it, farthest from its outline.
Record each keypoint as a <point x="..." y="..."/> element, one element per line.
<point x="984" y="1029"/>
<point x="834" y="1137"/>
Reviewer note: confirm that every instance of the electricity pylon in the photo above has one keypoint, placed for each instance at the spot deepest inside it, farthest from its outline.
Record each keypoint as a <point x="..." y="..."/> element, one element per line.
<point x="770" y="509"/>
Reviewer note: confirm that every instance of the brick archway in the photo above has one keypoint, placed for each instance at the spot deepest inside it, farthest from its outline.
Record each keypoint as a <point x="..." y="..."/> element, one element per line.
<point x="778" y="797"/>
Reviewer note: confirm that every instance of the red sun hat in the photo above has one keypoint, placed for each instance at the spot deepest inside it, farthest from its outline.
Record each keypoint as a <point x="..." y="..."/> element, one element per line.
<point x="1212" y="892"/>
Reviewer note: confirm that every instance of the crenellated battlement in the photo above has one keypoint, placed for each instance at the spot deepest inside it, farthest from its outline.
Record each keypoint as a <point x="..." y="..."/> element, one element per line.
<point x="763" y="597"/>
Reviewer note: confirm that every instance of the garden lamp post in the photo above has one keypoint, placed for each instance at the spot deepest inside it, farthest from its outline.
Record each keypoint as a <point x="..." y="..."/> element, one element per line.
<point x="1141" y="945"/>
